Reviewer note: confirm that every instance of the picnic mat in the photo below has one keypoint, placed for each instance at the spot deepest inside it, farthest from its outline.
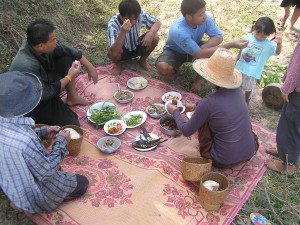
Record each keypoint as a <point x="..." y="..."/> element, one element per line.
<point x="138" y="188"/>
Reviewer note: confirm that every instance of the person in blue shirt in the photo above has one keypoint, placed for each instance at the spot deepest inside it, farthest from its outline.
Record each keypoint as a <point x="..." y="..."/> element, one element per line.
<point x="185" y="40"/>
<point x="30" y="176"/>
<point x="124" y="38"/>
<point x="252" y="59"/>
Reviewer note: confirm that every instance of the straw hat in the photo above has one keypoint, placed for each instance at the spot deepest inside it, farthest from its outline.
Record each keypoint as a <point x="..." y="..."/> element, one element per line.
<point x="19" y="93"/>
<point x="219" y="69"/>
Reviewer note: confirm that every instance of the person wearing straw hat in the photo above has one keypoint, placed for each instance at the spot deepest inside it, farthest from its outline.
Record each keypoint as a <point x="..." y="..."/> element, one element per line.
<point x="221" y="118"/>
<point x="30" y="176"/>
<point x="41" y="55"/>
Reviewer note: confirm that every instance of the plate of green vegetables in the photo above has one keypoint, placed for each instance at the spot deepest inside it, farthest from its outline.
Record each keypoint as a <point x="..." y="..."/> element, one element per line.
<point x="101" y="112"/>
<point x="134" y="119"/>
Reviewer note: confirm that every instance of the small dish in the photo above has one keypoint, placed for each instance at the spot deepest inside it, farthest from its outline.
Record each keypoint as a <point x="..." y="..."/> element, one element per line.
<point x="156" y="110"/>
<point x="179" y="105"/>
<point x="114" y="127"/>
<point x="139" y="116"/>
<point x="153" y="136"/>
<point x="137" y="83"/>
<point x="168" y="126"/>
<point x="100" y="106"/>
<point x="123" y="96"/>
<point x="189" y="114"/>
<point x="108" y="144"/>
<point x="172" y="95"/>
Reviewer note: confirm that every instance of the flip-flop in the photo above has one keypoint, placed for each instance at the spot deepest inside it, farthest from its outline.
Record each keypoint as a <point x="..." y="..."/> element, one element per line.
<point x="272" y="151"/>
<point x="280" y="167"/>
<point x="280" y="23"/>
<point x="259" y="219"/>
<point x="293" y="36"/>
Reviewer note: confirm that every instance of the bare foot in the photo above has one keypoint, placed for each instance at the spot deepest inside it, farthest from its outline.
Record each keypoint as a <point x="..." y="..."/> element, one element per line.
<point x="12" y="205"/>
<point x="77" y="100"/>
<point x="144" y="64"/>
<point x="117" y="68"/>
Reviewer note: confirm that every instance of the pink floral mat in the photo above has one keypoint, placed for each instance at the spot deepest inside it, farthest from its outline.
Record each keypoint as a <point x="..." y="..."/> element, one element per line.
<point x="132" y="187"/>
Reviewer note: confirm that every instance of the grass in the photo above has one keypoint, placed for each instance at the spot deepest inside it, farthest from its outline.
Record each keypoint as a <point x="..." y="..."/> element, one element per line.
<point x="82" y="23"/>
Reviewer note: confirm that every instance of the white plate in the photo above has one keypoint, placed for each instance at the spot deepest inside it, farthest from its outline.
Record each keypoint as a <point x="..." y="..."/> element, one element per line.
<point x="98" y="105"/>
<point x="178" y="102"/>
<point x="137" y="83"/>
<point x="154" y="136"/>
<point x="133" y="113"/>
<point x="172" y="95"/>
<point x="189" y="114"/>
<point x="114" y="123"/>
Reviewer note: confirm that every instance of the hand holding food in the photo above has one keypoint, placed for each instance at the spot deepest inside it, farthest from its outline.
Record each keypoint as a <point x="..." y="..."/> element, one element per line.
<point x="126" y="26"/>
<point x="74" y="70"/>
<point x="52" y="131"/>
<point x="66" y="134"/>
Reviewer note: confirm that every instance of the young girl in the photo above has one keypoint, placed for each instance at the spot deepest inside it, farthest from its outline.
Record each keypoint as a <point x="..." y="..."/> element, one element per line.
<point x="252" y="59"/>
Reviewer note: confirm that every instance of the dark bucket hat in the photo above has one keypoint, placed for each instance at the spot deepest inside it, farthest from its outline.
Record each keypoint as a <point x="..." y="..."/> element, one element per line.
<point x="19" y="93"/>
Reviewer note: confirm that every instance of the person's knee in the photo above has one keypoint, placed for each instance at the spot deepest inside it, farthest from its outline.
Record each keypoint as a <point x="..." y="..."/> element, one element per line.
<point x="164" y="68"/>
<point x="114" y="56"/>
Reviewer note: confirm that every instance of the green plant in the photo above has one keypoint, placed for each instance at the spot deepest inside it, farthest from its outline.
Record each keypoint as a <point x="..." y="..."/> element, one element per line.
<point x="272" y="73"/>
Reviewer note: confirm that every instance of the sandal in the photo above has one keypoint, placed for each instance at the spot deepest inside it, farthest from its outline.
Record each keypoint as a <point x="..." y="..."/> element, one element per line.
<point x="272" y="151"/>
<point x="279" y="166"/>
<point x="259" y="219"/>
<point x="293" y="36"/>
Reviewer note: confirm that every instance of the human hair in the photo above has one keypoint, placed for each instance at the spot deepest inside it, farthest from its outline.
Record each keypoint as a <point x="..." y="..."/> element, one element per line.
<point x="191" y="6"/>
<point x="264" y="25"/>
<point x="129" y="7"/>
<point x="38" y="31"/>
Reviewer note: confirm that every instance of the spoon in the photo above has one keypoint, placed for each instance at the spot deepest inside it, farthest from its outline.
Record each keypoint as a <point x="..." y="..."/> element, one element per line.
<point x="119" y="88"/>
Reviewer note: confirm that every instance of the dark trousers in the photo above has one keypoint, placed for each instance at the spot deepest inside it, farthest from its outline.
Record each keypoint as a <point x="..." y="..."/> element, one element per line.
<point x="55" y="111"/>
<point x="82" y="186"/>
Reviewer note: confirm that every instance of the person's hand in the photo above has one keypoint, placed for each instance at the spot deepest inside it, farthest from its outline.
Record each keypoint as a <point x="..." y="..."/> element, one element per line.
<point x="75" y="69"/>
<point x="52" y="131"/>
<point x="240" y="44"/>
<point x="93" y="74"/>
<point x="189" y="107"/>
<point x="148" y="39"/>
<point x="171" y="108"/>
<point x="285" y="97"/>
<point x="126" y="26"/>
<point x="278" y="38"/>
<point x="66" y="134"/>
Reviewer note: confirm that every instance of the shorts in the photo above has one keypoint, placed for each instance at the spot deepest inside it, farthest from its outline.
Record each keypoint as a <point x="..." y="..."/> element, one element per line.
<point x="139" y="51"/>
<point x="248" y="83"/>
<point x="293" y="3"/>
<point x="173" y="59"/>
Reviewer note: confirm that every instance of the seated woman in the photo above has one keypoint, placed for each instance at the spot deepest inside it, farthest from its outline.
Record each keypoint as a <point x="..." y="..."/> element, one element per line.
<point x="222" y="119"/>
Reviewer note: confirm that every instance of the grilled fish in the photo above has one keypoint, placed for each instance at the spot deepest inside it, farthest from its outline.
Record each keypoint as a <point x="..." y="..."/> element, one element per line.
<point x="147" y="144"/>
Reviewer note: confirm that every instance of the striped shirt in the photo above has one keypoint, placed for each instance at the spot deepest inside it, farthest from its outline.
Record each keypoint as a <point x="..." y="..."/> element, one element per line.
<point x="29" y="176"/>
<point x="132" y="38"/>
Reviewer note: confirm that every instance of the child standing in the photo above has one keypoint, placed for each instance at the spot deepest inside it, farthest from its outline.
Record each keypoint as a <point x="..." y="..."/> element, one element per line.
<point x="252" y="59"/>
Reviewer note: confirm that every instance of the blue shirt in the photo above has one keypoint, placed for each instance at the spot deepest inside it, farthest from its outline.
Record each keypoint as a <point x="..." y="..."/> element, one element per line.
<point x="185" y="40"/>
<point x="30" y="176"/>
<point x="132" y="38"/>
<point x="254" y="57"/>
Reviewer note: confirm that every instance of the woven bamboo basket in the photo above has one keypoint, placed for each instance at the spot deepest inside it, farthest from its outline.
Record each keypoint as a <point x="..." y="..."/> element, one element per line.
<point x="47" y="142"/>
<point x="74" y="145"/>
<point x="213" y="200"/>
<point x="193" y="168"/>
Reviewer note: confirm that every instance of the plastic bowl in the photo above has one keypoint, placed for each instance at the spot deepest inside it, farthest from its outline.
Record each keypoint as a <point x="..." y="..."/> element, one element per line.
<point x="166" y="129"/>
<point x="153" y="108"/>
<point x="108" y="144"/>
<point x="123" y="96"/>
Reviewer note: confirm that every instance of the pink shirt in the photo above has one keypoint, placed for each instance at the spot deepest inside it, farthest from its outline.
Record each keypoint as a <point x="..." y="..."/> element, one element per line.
<point x="291" y="78"/>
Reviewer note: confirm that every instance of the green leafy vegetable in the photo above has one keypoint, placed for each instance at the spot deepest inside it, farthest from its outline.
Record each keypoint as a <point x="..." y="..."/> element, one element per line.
<point x="101" y="116"/>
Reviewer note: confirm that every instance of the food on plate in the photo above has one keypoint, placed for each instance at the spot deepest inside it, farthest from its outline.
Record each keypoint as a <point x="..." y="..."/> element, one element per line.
<point x="124" y="95"/>
<point x="134" y="120"/>
<point x="171" y="97"/>
<point x="156" y="109"/>
<point x="178" y="104"/>
<point x="73" y="133"/>
<point x="144" y="144"/>
<point x="114" y="128"/>
<point x="169" y="124"/>
<point x="137" y="82"/>
<point x="104" y="114"/>
<point x="109" y="143"/>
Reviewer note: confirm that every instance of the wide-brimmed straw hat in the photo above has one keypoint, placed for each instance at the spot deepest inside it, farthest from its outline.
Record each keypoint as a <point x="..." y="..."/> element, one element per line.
<point x="219" y="69"/>
<point x="19" y="93"/>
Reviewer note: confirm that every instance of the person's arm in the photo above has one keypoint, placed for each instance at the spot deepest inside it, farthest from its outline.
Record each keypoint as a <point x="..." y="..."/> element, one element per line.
<point x="278" y="40"/>
<point x="148" y="39"/>
<point x="91" y="70"/>
<point x="211" y="42"/>
<point x="72" y="73"/>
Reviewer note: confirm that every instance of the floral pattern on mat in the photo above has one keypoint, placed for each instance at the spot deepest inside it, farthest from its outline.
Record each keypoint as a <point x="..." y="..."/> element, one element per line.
<point x="149" y="183"/>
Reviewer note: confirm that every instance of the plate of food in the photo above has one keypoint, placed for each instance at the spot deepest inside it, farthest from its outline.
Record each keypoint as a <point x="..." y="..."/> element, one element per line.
<point x="114" y="127"/>
<point x="177" y="103"/>
<point x="172" y="95"/>
<point x="189" y="114"/>
<point x="109" y="144"/>
<point x="141" y="144"/>
<point x="137" y="83"/>
<point x="156" y="110"/>
<point x="134" y="119"/>
<point x="101" y="112"/>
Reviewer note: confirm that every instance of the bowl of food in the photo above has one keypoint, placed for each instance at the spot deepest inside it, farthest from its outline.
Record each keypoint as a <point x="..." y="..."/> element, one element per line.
<point x="108" y="144"/>
<point x="114" y="127"/>
<point x="172" y="95"/>
<point x="168" y="126"/>
<point x="156" y="110"/>
<point x="123" y="96"/>
<point x="177" y="103"/>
